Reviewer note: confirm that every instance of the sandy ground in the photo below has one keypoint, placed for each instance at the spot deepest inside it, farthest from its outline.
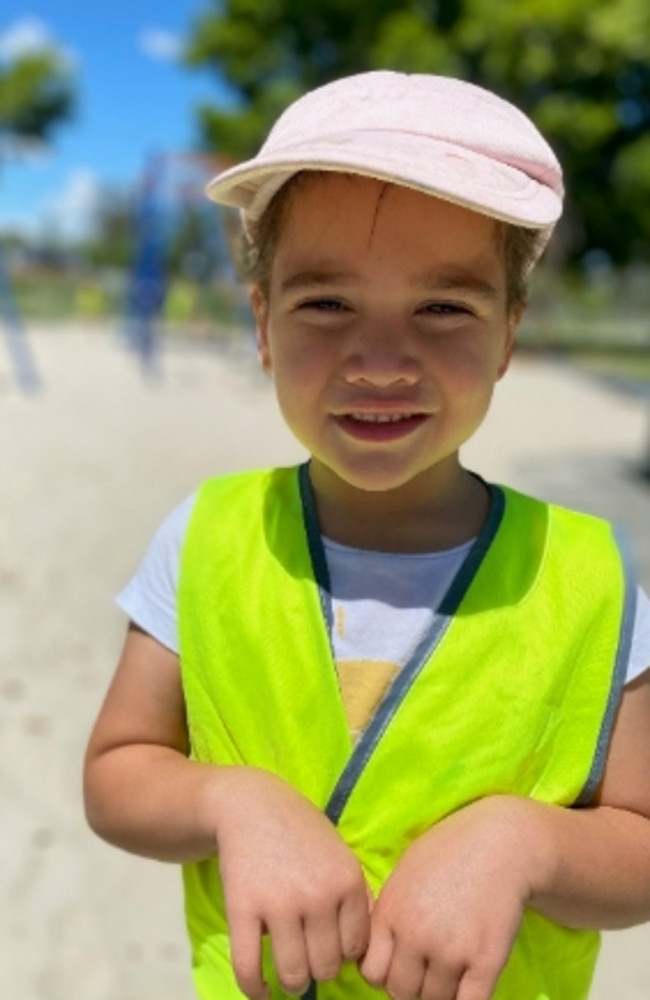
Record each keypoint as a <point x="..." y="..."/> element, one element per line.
<point x="90" y="465"/>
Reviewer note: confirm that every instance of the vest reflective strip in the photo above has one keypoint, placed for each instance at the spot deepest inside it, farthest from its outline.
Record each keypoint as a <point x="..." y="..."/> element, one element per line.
<point x="425" y="649"/>
<point x="421" y="655"/>
<point x="618" y="682"/>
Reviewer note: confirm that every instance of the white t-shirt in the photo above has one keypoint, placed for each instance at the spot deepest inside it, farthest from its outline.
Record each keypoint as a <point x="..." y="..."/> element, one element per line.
<point x="381" y="606"/>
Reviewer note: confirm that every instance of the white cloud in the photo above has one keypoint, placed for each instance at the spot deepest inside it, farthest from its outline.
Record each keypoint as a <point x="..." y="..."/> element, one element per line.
<point x="23" y="38"/>
<point x="71" y="210"/>
<point x="27" y="36"/>
<point x="157" y="43"/>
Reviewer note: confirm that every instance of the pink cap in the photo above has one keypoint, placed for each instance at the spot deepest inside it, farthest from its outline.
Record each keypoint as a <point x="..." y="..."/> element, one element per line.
<point x="436" y="134"/>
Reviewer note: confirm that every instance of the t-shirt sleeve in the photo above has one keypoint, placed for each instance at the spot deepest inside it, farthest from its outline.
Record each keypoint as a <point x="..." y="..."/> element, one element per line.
<point x="640" y="651"/>
<point x="149" y="598"/>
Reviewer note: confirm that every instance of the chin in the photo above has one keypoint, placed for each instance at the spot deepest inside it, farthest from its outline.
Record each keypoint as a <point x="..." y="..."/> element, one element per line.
<point x="375" y="481"/>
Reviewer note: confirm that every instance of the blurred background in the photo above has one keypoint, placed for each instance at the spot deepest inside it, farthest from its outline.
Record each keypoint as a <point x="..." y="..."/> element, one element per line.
<point x="110" y="124"/>
<point x="128" y="373"/>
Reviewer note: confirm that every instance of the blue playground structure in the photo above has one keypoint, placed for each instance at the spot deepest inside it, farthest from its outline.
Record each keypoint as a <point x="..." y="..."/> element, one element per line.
<point x="170" y="183"/>
<point x="146" y="287"/>
<point x="20" y="356"/>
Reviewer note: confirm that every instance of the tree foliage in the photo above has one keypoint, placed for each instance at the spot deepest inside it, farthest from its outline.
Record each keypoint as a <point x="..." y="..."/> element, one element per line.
<point x="112" y="239"/>
<point x="580" y="68"/>
<point x="36" y="94"/>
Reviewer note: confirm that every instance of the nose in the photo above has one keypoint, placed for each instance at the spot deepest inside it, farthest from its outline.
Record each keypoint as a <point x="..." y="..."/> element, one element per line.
<point x="381" y="356"/>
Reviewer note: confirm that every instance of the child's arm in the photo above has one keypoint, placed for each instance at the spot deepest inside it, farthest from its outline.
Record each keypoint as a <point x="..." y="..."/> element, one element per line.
<point x="286" y="870"/>
<point x="447" y="917"/>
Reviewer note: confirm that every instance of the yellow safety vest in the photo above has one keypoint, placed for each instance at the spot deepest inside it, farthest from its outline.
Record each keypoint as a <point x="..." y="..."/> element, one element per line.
<point x="513" y="691"/>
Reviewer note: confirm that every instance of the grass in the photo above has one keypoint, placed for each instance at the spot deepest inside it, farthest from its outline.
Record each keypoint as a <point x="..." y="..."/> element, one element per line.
<point x="622" y="366"/>
<point x="627" y="364"/>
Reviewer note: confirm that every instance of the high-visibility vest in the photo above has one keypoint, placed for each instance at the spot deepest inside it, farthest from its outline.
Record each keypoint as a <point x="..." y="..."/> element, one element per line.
<point x="513" y="691"/>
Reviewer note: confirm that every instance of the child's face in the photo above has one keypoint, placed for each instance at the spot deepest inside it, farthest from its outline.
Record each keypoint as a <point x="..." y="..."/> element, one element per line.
<point x="385" y="329"/>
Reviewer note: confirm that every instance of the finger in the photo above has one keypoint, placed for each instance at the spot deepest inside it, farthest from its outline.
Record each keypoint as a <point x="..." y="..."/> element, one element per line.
<point x="376" y="962"/>
<point x="477" y="983"/>
<point x="406" y="976"/>
<point x="290" y="955"/>
<point x="246" y="952"/>
<point x="323" y="946"/>
<point x="354" y="925"/>
<point x="440" y="983"/>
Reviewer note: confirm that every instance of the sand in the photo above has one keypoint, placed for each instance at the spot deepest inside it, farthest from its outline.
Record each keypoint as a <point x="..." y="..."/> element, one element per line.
<point x="90" y="465"/>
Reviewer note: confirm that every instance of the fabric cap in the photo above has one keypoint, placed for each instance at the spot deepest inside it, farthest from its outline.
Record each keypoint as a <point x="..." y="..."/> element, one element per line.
<point x="436" y="134"/>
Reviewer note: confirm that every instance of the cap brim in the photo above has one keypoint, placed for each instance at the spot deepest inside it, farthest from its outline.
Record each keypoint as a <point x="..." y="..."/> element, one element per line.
<point x="455" y="173"/>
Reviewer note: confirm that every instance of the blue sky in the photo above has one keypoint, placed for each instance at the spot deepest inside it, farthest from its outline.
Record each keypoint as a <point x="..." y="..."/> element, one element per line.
<point x="133" y="99"/>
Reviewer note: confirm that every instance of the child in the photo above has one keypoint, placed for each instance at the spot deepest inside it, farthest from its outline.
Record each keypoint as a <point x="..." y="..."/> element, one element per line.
<point x="362" y="700"/>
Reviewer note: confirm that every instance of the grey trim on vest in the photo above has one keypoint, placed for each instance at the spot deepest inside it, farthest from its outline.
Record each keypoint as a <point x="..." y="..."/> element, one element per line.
<point x="425" y="649"/>
<point x="442" y="619"/>
<point x="618" y="678"/>
<point x="315" y="543"/>
<point x="402" y="684"/>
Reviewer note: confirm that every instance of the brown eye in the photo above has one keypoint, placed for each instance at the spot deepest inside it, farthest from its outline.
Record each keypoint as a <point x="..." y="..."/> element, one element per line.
<point x="323" y="305"/>
<point x="445" y="309"/>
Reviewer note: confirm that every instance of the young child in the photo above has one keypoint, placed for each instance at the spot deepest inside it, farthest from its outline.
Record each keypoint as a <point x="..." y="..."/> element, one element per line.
<point x="393" y="720"/>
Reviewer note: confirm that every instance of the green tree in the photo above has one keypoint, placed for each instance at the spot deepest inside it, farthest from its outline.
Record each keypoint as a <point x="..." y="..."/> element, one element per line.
<point x="580" y="68"/>
<point x="36" y="94"/>
<point x="111" y="244"/>
<point x="273" y="51"/>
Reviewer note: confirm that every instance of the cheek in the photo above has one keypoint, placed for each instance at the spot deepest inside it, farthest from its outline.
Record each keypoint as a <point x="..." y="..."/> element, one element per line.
<point x="475" y="356"/>
<point x="301" y="375"/>
<point x="467" y="367"/>
<point x="299" y="360"/>
<point x="297" y="383"/>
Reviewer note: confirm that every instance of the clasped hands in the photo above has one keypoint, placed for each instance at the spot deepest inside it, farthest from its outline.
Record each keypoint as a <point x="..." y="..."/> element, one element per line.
<point x="441" y="928"/>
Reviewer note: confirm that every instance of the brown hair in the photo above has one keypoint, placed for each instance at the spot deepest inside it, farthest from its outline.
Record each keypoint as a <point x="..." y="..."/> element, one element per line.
<point x="518" y="244"/>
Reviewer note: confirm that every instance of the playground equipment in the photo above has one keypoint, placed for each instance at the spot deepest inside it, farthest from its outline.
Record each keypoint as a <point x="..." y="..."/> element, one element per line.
<point x="20" y="356"/>
<point x="171" y="184"/>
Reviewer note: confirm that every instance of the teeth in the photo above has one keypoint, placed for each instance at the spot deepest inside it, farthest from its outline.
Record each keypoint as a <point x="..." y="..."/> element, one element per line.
<point x="380" y="418"/>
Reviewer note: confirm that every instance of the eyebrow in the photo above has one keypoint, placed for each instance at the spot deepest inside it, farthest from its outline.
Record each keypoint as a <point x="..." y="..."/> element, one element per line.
<point x="316" y="279"/>
<point x="430" y="281"/>
<point x="456" y="281"/>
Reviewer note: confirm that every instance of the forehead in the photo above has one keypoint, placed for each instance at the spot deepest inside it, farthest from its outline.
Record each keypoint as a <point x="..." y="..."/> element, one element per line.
<point x="354" y="218"/>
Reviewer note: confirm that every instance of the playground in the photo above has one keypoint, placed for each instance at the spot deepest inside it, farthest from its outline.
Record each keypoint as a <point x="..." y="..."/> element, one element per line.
<point x="93" y="457"/>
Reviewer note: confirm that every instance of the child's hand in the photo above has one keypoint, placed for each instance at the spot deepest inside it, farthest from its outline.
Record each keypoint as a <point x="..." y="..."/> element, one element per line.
<point x="287" y="872"/>
<point x="444" y="923"/>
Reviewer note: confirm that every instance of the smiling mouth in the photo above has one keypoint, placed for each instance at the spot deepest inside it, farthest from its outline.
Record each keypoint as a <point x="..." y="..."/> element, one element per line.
<point x="383" y="418"/>
<point x="381" y="428"/>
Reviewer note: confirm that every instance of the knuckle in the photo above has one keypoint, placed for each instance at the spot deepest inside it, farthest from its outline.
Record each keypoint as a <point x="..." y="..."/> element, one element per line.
<point x="351" y="878"/>
<point x="375" y="963"/>
<point x="374" y="977"/>
<point x="484" y="971"/>
<point x="354" y="948"/>
<point x="326" y="969"/>
<point x="314" y="898"/>
<point x="293" y="983"/>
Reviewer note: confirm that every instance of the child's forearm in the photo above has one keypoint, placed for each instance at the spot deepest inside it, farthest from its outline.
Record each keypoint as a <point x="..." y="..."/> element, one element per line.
<point x="286" y="872"/>
<point x="153" y="801"/>
<point x="596" y="871"/>
<point x="452" y="907"/>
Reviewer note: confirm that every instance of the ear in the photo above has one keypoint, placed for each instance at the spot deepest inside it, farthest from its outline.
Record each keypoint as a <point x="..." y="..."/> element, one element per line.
<point x="515" y="316"/>
<point x="259" y="306"/>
